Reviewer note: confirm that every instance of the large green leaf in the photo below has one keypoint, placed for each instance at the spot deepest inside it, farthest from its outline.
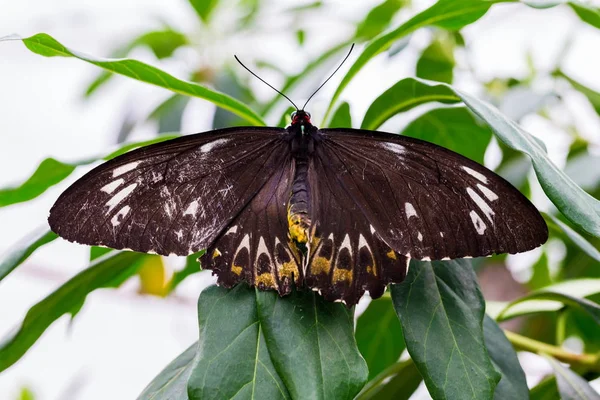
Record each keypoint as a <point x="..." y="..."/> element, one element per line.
<point x="255" y="344"/>
<point x="342" y="117"/>
<point x="441" y="310"/>
<point x="23" y="249"/>
<point x="171" y="382"/>
<point x="48" y="173"/>
<point x="453" y="128"/>
<point x="46" y="45"/>
<point x="204" y="8"/>
<point x="437" y="60"/>
<point x="570" y="385"/>
<point x="379" y="336"/>
<point x="378" y="19"/>
<point x="446" y="14"/>
<point x="513" y="384"/>
<point x="106" y="271"/>
<point x="587" y="13"/>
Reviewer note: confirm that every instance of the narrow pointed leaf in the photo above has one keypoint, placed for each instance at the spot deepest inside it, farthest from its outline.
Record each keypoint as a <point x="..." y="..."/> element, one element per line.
<point x="342" y="117"/>
<point x="171" y="382"/>
<point x="437" y="60"/>
<point x="22" y="250"/>
<point x="587" y="13"/>
<point x="45" y="45"/>
<point x="397" y="382"/>
<point x="204" y="8"/>
<point x="104" y="272"/>
<point x="570" y="385"/>
<point x="576" y="238"/>
<point x="441" y="310"/>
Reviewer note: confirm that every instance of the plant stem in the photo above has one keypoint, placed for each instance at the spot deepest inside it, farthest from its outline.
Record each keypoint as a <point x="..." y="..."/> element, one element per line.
<point x="589" y="361"/>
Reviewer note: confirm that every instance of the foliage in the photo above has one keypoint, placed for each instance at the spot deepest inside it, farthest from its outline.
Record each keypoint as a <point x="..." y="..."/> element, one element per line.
<point x="432" y="328"/>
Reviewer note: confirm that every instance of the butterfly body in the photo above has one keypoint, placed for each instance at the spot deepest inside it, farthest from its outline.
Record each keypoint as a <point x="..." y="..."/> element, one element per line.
<point x="340" y="211"/>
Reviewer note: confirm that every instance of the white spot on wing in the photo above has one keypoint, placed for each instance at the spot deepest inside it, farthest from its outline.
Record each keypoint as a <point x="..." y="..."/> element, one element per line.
<point x="394" y="147"/>
<point x="122" y="194"/>
<point x="477" y="222"/>
<point x="481" y="204"/>
<point x="372" y="229"/>
<point x="410" y="210"/>
<point x="441" y="234"/>
<point x="491" y="196"/>
<point x="192" y="208"/>
<point x="211" y="145"/>
<point x="426" y="259"/>
<point x="110" y="187"/>
<point x="420" y="237"/>
<point x="125" y="168"/>
<point x="234" y="229"/>
<point x="116" y="219"/>
<point x="475" y="174"/>
<point x="179" y="234"/>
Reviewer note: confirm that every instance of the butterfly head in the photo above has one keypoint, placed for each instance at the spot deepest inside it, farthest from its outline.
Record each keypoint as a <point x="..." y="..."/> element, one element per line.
<point x="301" y="117"/>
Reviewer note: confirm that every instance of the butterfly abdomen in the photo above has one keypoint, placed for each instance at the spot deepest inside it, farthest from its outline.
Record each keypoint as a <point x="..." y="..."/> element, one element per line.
<point x="298" y="211"/>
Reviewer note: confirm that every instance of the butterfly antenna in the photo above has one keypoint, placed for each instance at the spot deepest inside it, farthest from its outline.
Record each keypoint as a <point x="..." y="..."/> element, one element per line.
<point x="266" y="83"/>
<point x="330" y="76"/>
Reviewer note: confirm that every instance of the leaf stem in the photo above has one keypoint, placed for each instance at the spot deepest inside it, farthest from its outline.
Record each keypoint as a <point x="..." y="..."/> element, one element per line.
<point x="589" y="361"/>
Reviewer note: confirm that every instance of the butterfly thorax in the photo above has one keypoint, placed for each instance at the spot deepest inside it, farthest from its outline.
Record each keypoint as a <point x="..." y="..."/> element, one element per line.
<point x="302" y="146"/>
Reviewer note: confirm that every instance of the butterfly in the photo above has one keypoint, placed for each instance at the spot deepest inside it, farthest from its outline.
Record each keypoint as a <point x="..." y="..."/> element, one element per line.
<point x="340" y="211"/>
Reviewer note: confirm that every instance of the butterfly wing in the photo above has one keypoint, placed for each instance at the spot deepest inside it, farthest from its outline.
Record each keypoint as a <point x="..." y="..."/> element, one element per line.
<point x="256" y="246"/>
<point x="173" y="197"/>
<point x="428" y="202"/>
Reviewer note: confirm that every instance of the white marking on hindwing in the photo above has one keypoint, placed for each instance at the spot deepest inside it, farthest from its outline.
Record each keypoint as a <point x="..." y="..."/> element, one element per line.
<point x="481" y="204"/>
<point x="371" y="228"/>
<point x="122" y="194"/>
<point x="110" y="187"/>
<point x="346" y="243"/>
<point x="420" y="237"/>
<point x="125" y="168"/>
<point x="211" y="145"/>
<point x="487" y="192"/>
<point x="426" y="259"/>
<point x="234" y="229"/>
<point x="410" y="210"/>
<point x="395" y="147"/>
<point x="244" y="243"/>
<point x="475" y="174"/>
<point x="116" y="219"/>
<point x="192" y="208"/>
<point x="262" y="249"/>
<point x="477" y="222"/>
<point x="362" y="242"/>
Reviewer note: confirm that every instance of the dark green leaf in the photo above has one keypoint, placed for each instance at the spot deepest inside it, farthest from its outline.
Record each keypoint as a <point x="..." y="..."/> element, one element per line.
<point x="48" y="173"/>
<point x="453" y="128"/>
<point x="169" y="113"/>
<point x="545" y="390"/>
<point x="379" y="336"/>
<point x="204" y="8"/>
<point x="592" y="95"/>
<point x="45" y="45"/>
<point x="446" y="14"/>
<point x="21" y="251"/>
<point x="342" y="117"/>
<point x="171" y="382"/>
<point x="541" y="273"/>
<point x="397" y="382"/>
<point x="441" y="310"/>
<point x="378" y="19"/>
<point x="570" y="385"/>
<point x="587" y="13"/>
<point x="300" y="36"/>
<point x="256" y="344"/>
<point x="437" y="61"/>
<point x="103" y="272"/>
<point x="513" y="384"/>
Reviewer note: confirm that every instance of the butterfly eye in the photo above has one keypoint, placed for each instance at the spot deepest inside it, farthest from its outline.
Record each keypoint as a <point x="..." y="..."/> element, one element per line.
<point x="308" y="116"/>
<point x="294" y="114"/>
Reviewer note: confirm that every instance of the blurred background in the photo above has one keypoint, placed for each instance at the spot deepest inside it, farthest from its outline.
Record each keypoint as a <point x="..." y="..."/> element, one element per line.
<point x="540" y="67"/>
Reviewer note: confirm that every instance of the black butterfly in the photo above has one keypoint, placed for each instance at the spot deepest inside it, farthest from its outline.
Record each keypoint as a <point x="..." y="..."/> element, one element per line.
<point x="340" y="211"/>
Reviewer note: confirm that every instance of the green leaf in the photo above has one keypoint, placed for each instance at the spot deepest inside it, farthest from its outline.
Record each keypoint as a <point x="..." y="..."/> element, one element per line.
<point x="397" y="382"/>
<point x="192" y="266"/>
<point x="378" y="19"/>
<point x="570" y="385"/>
<point x="453" y="128"/>
<point x="513" y="384"/>
<point x="446" y="14"/>
<point x="103" y="272"/>
<point x="379" y="336"/>
<point x="171" y="382"/>
<point x="403" y="96"/>
<point x="256" y="344"/>
<point x="545" y="390"/>
<point x="342" y="117"/>
<point x="168" y="114"/>
<point x="587" y="13"/>
<point x="204" y="8"/>
<point x="162" y="43"/>
<point x="47" y="174"/>
<point x="437" y="60"/>
<point x="592" y="95"/>
<point x="45" y="45"/>
<point x="441" y="310"/>
<point x="23" y="249"/>
<point x="575" y="237"/>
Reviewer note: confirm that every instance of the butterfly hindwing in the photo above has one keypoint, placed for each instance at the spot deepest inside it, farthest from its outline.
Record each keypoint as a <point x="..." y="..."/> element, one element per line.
<point x="173" y="197"/>
<point x="428" y="202"/>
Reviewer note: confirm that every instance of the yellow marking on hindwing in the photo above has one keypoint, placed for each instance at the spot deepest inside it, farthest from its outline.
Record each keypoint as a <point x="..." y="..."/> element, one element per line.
<point x="216" y="253"/>
<point x="391" y="254"/>
<point x="266" y="279"/>
<point x="342" y="275"/>
<point x="236" y="269"/>
<point x="287" y="269"/>
<point x="320" y="265"/>
<point x="371" y="270"/>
